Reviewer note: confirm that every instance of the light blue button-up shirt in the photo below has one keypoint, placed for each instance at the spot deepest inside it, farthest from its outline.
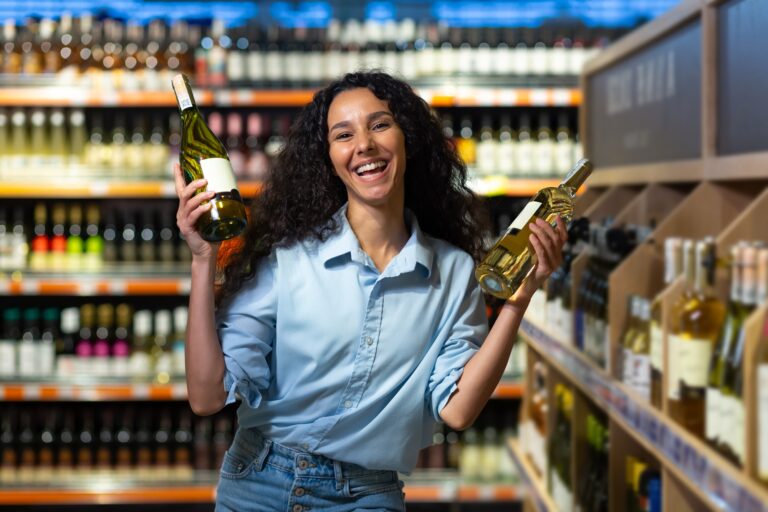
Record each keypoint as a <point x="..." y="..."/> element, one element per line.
<point x="334" y="357"/>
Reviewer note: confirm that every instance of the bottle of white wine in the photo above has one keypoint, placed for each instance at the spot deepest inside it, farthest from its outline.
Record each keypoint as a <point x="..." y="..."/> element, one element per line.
<point x="510" y="260"/>
<point x="204" y="156"/>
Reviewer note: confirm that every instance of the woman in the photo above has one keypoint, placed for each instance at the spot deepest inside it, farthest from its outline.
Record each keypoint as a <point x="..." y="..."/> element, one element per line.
<point x="350" y="322"/>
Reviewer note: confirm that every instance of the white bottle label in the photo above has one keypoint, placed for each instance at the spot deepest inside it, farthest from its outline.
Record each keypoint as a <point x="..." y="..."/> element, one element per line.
<point x="140" y="365"/>
<point x="46" y="358"/>
<point x="255" y="66"/>
<point x="544" y="161"/>
<point x="182" y="94"/>
<point x="218" y="172"/>
<point x="524" y="157"/>
<point x="525" y="216"/>
<point x="505" y="157"/>
<point x="7" y="358"/>
<point x="762" y="421"/>
<point x="657" y="347"/>
<point x="28" y="364"/>
<point x="688" y="363"/>
<point x="641" y="378"/>
<point x="714" y="413"/>
<point x="486" y="157"/>
<point x="738" y="427"/>
<point x="627" y="366"/>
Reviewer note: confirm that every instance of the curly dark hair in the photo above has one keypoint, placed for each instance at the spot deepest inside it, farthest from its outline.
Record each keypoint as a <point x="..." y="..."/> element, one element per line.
<point x="299" y="199"/>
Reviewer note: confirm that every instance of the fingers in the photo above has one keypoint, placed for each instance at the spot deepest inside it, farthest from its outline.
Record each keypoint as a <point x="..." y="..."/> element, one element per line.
<point x="548" y="242"/>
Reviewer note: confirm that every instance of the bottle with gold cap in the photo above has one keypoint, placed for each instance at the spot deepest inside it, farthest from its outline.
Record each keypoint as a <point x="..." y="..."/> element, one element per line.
<point x="511" y="259"/>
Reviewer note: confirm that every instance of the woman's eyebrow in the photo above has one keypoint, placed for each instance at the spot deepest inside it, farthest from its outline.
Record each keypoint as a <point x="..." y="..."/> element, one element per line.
<point x="371" y="117"/>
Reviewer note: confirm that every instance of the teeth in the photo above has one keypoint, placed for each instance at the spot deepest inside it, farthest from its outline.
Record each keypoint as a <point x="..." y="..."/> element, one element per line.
<point x="370" y="167"/>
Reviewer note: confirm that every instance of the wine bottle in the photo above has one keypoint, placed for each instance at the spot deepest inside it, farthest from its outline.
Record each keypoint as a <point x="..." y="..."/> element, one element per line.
<point x="203" y="156"/>
<point x="714" y="399"/>
<point x="761" y="415"/>
<point x="672" y="268"/>
<point x="511" y="260"/>
<point x="691" y="344"/>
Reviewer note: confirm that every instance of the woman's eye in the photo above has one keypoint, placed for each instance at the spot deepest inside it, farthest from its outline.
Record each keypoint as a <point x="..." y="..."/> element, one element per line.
<point x="342" y="136"/>
<point x="381" y="125"/>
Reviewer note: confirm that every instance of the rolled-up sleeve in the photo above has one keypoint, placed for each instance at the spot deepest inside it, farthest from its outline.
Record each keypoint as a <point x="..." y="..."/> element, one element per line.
<point x="246" y="328"/>
<point x="467" y="327"/>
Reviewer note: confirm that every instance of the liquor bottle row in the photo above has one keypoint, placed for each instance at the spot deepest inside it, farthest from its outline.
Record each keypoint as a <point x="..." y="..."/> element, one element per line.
<point x="516" y="149"/>
<point x="586" y="321"/>
<point x="94" y="340"/>
<point x="113" y="54"/>
<point x="152" y="443"/>
<point x="560" y="450"/>
<point x="479" y="453"/>
<point x="592" y="490"/>
<point x="548" y="436"/>
<point x="73" y="237"/>
<point x="65" y="143"/>
<point x="706" y="342"/>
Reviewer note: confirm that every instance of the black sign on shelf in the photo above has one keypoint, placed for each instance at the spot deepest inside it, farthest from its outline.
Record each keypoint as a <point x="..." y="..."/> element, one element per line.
<point x="647" y="107"/>
<point x="742" y="77"/>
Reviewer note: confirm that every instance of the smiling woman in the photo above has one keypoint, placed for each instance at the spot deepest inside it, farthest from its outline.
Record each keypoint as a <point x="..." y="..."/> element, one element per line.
<point x="349" y="321"/>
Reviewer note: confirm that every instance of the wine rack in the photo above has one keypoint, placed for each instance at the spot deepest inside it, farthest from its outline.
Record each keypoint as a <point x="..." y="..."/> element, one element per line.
<point x="711" y="187"/>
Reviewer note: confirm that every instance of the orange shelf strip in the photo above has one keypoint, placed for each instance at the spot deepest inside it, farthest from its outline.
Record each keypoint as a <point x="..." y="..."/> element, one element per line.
<point x="138" y="495"/>
<point x="165" y="287"/>
<point x="509" y="390"/>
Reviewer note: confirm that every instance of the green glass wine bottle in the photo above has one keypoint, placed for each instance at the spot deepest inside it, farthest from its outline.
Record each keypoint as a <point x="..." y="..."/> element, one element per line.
<point x="203" y="156"/>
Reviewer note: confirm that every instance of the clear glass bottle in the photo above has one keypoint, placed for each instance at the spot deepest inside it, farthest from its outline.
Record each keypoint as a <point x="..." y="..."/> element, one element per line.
<point x="511" y="259"/>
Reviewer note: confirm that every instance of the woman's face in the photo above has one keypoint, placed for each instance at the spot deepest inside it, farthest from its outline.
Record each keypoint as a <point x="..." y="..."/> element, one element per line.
<point x="367" y="148"/>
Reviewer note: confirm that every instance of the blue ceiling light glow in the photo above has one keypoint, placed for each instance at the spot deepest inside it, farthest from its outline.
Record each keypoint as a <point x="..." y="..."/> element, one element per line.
<point x="304" y="14"/>
<point x="380" y="11"/>
<point x="494" y="14"/>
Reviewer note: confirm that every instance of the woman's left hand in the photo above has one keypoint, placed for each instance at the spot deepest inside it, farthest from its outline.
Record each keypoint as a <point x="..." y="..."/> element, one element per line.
<point x="547" y="243"/>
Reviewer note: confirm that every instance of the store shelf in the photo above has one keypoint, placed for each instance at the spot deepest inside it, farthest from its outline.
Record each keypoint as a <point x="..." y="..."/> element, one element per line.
<point x="535" y="487"/>
<point x="101" y="188"/>
<point x="85" y="285"/>
<point x="704" y="472"/>
<point x="502" y="186"/>
<point x="119" y="489"/>
<point x="96" y="389"/>
<point x="447" y="96"/>
<point x="510" y="389"/>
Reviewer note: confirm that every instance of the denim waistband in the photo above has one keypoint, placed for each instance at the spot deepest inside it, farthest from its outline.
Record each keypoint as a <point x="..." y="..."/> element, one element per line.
<point x="250" y="444"/>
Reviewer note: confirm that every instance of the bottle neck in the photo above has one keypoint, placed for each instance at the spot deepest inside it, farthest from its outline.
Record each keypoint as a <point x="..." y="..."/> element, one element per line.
<point x="184" y="96"/>
<point x="577" y="176"/>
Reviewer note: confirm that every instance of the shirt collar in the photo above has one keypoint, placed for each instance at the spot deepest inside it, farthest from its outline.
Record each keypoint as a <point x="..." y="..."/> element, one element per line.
<point x="343" y="244"/>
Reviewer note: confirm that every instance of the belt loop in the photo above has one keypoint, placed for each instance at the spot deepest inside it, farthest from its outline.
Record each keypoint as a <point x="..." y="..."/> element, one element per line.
<point x="337" y="473"/>
<point x="259" y="463"/>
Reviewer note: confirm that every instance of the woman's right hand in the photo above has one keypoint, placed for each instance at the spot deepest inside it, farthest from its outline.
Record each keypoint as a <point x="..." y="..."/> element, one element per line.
<point x="191" y="207"/>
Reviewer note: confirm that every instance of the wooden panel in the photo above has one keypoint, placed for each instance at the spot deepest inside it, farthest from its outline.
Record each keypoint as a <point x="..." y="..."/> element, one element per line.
<point x="647" y="108"/>
<point x="742" y="83"/>
<point x="681" y="171"/>
<point x="753" y="328"/>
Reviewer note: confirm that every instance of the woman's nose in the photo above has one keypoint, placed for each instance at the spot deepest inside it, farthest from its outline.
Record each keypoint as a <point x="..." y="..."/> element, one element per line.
<point x="364" y="142"/>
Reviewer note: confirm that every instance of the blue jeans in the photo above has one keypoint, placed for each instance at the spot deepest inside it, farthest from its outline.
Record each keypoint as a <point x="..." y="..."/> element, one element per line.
<point x="259" y="475"/>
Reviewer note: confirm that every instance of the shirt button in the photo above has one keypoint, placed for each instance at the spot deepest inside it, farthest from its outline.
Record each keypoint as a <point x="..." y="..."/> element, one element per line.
<point x="299" y="491"/>
<point x="369" y="340"/>
<point x="297" y="508"/>
<point x="303" y="464"/>
<point x="348" y="404"/>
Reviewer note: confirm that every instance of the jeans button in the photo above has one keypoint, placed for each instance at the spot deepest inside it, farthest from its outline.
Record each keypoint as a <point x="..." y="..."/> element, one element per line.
<point x="299" y="492"/>
<point x="297" y="508"/>
<point x="303" y="464"/>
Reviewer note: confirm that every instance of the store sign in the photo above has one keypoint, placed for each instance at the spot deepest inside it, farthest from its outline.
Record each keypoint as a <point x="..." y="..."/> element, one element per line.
<point x="742" y="79"/>
<point x="647" y="108"/>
